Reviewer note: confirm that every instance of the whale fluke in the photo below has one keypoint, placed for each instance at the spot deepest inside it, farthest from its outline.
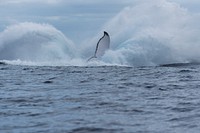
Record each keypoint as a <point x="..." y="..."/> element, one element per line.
<point x="102" y="45"/>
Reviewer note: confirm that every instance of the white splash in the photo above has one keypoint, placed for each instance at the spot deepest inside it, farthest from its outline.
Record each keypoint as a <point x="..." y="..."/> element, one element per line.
<point x="35" y="42"/>
<point x="152" y="33"/>
<point x="148" y="33"/>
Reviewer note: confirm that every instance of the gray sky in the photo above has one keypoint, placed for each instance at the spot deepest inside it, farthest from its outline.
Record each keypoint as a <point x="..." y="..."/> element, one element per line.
<point x="77" y="19"/>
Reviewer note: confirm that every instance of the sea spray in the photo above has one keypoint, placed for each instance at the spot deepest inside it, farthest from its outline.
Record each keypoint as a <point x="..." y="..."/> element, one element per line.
<point x="147" y="33"/>
<point x="153" y="33"/>
<point x="35" y="42"/>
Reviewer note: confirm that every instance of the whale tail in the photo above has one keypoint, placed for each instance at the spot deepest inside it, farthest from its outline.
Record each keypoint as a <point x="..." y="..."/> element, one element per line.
<point x="102" y="45"/>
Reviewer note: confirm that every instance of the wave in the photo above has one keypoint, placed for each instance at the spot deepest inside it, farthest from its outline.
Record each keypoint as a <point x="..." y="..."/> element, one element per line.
<point x="181" y="64"/>
<point x="147" y="33"/>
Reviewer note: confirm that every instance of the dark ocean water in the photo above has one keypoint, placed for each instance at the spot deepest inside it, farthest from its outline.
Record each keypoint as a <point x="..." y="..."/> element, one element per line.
<point x="101" y="99"/>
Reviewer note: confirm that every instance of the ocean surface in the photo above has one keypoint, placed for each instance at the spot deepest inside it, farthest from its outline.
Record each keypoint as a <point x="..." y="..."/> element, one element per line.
<point x="100" y="99"/>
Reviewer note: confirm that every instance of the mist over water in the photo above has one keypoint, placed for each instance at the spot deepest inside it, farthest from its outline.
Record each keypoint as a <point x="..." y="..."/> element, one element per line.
<point x="147" y="33"/>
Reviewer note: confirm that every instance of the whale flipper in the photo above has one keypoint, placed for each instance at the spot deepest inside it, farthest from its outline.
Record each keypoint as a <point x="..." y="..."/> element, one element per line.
<point x="102" y="45"/>
<point x="91" y="58"/>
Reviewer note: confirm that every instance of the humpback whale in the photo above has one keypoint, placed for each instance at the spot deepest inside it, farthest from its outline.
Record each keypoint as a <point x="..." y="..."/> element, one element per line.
<point x="102" y="45"/>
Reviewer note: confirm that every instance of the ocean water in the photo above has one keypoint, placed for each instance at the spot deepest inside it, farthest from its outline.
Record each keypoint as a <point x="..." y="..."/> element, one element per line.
<point x="100" y="99"/>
